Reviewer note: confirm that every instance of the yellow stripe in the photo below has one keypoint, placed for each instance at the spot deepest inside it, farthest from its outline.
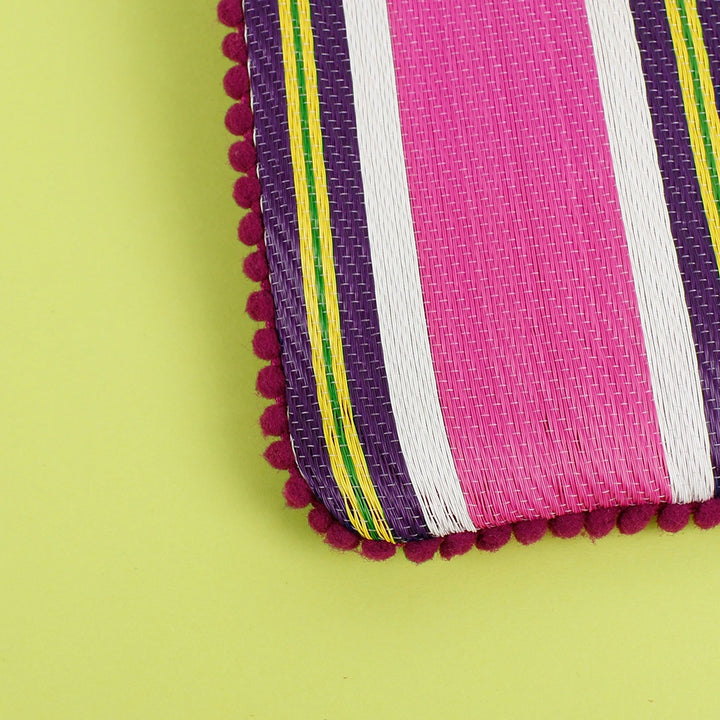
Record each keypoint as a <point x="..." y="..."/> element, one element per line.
<point x="306" y="256"/>
<point x="333" y="312"/>
<point x="693" y="118"/>
<point x="706" y="81"/>
<point x="328" y="267"/>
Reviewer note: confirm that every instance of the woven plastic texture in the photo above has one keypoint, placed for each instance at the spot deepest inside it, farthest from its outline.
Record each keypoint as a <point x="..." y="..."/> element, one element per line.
<point x="487" y="239"/>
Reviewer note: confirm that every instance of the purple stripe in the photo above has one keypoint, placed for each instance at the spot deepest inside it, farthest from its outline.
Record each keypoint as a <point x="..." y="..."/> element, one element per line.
<point x="363" y="353"/>
<point x="283" y="249"/>
<point x="709" y="12"/>
<point x="696" y="256"/>
<point x="364" y="361"/>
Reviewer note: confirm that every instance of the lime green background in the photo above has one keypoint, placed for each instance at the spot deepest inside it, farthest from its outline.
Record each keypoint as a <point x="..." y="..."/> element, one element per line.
<point x="148" y="567"/>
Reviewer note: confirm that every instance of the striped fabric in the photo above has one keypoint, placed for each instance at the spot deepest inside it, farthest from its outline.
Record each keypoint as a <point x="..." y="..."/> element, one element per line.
<point x="493" y="232"/>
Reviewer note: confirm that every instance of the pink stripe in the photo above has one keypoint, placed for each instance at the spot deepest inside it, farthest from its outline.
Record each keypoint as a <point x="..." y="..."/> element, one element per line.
<point x="527" y="283"/>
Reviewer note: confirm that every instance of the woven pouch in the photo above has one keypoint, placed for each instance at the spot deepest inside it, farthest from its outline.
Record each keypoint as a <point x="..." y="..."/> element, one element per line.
<point x="487" y="237"/>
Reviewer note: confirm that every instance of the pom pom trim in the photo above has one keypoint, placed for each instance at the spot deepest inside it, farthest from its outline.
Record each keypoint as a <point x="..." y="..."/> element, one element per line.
<point x="271" y="382"/>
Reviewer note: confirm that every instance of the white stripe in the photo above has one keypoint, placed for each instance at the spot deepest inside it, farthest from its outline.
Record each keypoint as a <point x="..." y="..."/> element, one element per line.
<point x="663" y="312"/>
<point x="408" y="362"/>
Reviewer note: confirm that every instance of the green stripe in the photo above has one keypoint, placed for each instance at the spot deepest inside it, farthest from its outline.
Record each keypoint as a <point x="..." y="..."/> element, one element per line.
<point x="322" y="302"/>
<point x="700" y="102"/>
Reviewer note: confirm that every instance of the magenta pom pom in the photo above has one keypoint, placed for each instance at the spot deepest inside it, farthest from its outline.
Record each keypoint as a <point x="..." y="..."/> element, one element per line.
<point x="635" y="518"/>
<point x="567" y="526"/>
<point x="266" y="344"/>
<point x="341" y="538"/>
<point x="457" y="544"/>
<point x="707" y="514"/>
<point x="297" y="493"/>
<point x="242" y="156"/>
<point x="274" y="420"/>
<point x="493" y="538"/>
<point x="238" y="118"/>
<point x="234" y="47"/>
<point x="271" y="382"/>
<point x="236" y="81"/>
<point x="280" y="455"/>
<point x="320" y="519"/>
<point x="230" y="12"/>
<point x="250" y="229"/>
<point x="260" y="306"/>
<point x="673" y="518"/>
<point x="600" y="522"/>
<point x="377" y="549"/>
<point x="529" y="531"/>
<point x="420" y="551"/>
<point x="246" y="191"/>
<point x="256" y="267"/>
